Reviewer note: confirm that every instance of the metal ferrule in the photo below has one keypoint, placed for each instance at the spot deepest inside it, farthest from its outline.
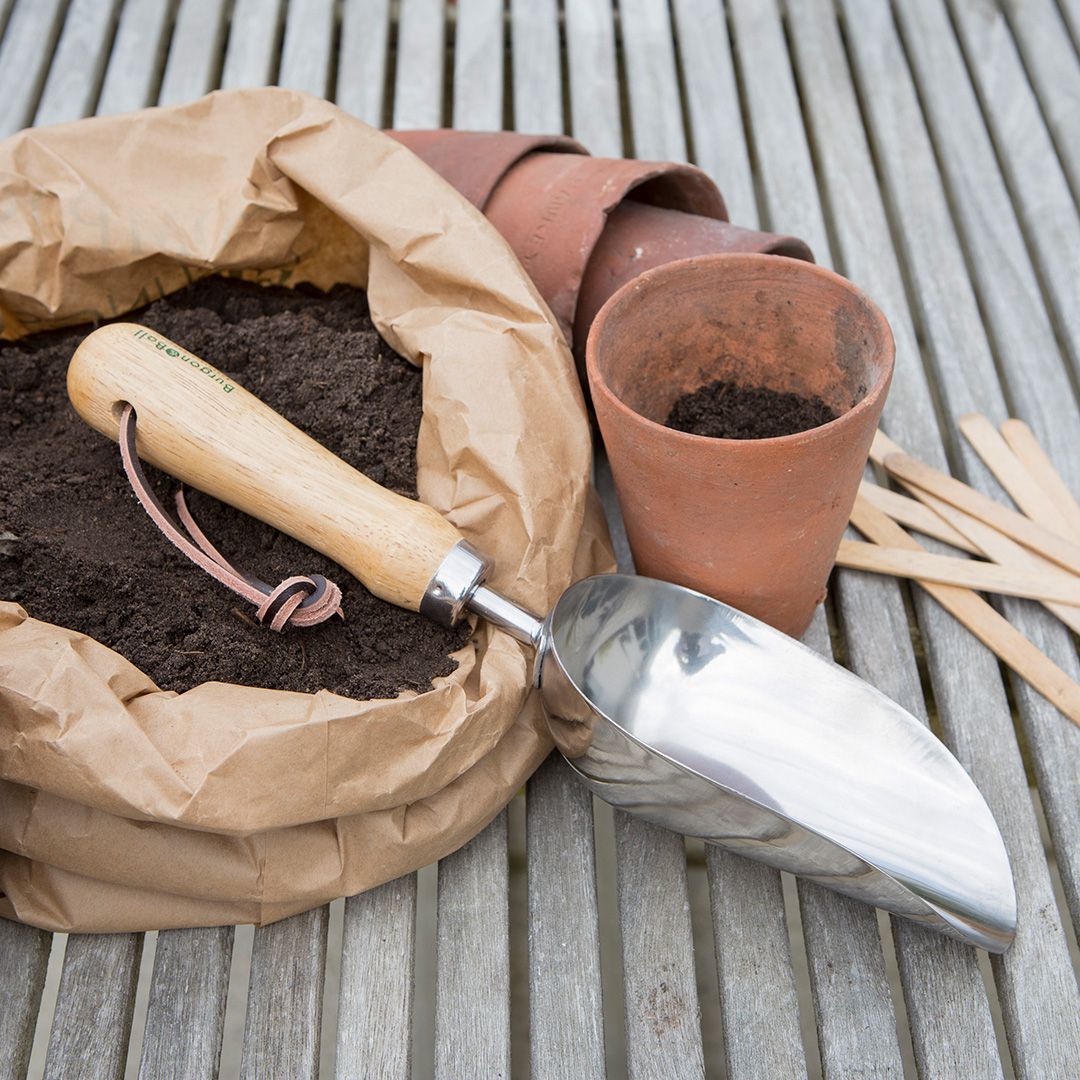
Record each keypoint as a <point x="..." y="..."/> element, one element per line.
<point x="450" y="589"/>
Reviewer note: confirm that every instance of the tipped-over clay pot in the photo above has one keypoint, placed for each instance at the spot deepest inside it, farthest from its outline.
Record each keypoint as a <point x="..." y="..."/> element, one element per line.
<point x="557" y="206"/>
<point x="475" y="161"/>
<point x="638" y="237"/>
<point x="755" y="523"/>
<point x="552" y="209"/>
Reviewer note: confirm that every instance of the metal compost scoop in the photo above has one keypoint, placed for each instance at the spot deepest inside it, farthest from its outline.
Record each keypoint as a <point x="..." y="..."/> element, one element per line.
<point x="666" y="703"/>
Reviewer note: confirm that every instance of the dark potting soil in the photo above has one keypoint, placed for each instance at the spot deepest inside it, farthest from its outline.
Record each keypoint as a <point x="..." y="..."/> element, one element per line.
<point x="77" y="549"/>
<point x="725" y="410"/>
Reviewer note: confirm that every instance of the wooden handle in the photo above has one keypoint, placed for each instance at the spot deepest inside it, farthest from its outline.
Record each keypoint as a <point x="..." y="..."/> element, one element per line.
<point x="209" y="432"/>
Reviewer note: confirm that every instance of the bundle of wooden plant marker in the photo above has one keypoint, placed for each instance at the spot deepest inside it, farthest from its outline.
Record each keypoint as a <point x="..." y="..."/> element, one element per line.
<point x="1034" y="553"/>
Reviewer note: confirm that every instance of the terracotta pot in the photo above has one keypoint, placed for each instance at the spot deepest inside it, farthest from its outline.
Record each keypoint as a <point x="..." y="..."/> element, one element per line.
<point x="638" y="237"/>
<point x="583" y="226"/>
<point x="755" y="523"/>
<point x="475" y="161"/>
<point x="552" y="209"/>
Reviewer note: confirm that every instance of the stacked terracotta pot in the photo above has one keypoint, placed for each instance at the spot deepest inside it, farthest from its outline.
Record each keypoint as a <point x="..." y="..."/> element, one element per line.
<point x="584" y="226"/>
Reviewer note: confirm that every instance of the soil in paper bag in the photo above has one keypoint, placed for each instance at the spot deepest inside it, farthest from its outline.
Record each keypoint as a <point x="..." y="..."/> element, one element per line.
<point x="77" y="549"/>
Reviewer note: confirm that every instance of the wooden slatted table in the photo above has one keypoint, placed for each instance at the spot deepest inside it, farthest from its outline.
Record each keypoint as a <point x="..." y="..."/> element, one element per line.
<point x="930" y="151"/>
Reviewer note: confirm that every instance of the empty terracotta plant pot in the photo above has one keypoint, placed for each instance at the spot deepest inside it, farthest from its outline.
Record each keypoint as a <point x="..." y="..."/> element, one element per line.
<point x="638" y="237"/>
<point x="552" y="209"/>
<point x="582" y="226"/>
<point x="475" y="161"/>
<point x="754" y="522"/>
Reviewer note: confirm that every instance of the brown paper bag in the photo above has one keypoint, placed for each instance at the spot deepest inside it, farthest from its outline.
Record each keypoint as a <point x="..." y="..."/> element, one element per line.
<point x="103" y="215"/>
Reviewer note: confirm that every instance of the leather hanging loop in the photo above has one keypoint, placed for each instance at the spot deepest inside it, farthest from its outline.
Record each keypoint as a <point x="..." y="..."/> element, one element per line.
<point x="301" y="600"/>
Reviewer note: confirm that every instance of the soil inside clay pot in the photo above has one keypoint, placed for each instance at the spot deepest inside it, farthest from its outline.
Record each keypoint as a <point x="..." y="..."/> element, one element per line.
<point x="726" y="410"/>
<point x="77" y="549"/>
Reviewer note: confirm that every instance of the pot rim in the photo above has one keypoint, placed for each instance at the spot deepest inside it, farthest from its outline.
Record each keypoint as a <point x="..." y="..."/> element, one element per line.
<point x="600" y="388"/>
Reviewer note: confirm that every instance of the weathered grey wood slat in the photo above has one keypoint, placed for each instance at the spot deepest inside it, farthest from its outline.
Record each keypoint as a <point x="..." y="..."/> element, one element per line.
<point x="753" y="957"/>
<point x="1070" y="12"/>
<point x="478" y="65"/>
<point x="1053" y="67"/>
<point x="566" y="1030"/>
<point x="472" y="992"/>
<point x="715" y="119"/>
<point x="135" y="63"/>
<point x="25" y="52"/>
<point x="753" y="964"/>
<point x="652" y="81"/>
<point x="662" y="1017"/>
<point x="566" y="1023"/>
<point x="22" y="977"/>
<point x="594" y="79"/>
<point x="307" y="48"/>
<point x="1040" y="189"/>
<point x="419" y="74"/>
<point x="934" y="973"/>
<point x="851" y="994"/>
<point x="948" y="1013"/>
<point x="251" y="55"/>
<point x="75" y="72"/>
<point x="185" y="1019"/>
<point x="285" y="994"/>
<point x="537" y="66"/>
<point x="785" y="171"/>
<point x="756" y="946"/>
<point x="663" y="1020"/>
<point x="1001" y="269"/>
<point x="949" y="1016"/>
<point x="1035" y="982"/>
<point x="92" y="1022"/>
<point x="788" y="184"/>
<point x="374" y="1023"/>
<point x="193" y="61"/>
<point x="361" y="80"/>
<point x="852" y="1001"/>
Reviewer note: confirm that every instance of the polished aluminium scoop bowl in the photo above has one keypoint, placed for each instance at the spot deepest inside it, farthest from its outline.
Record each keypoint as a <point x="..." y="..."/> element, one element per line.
<point x="695" y="716"/>
<point x="665" y="702"/>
